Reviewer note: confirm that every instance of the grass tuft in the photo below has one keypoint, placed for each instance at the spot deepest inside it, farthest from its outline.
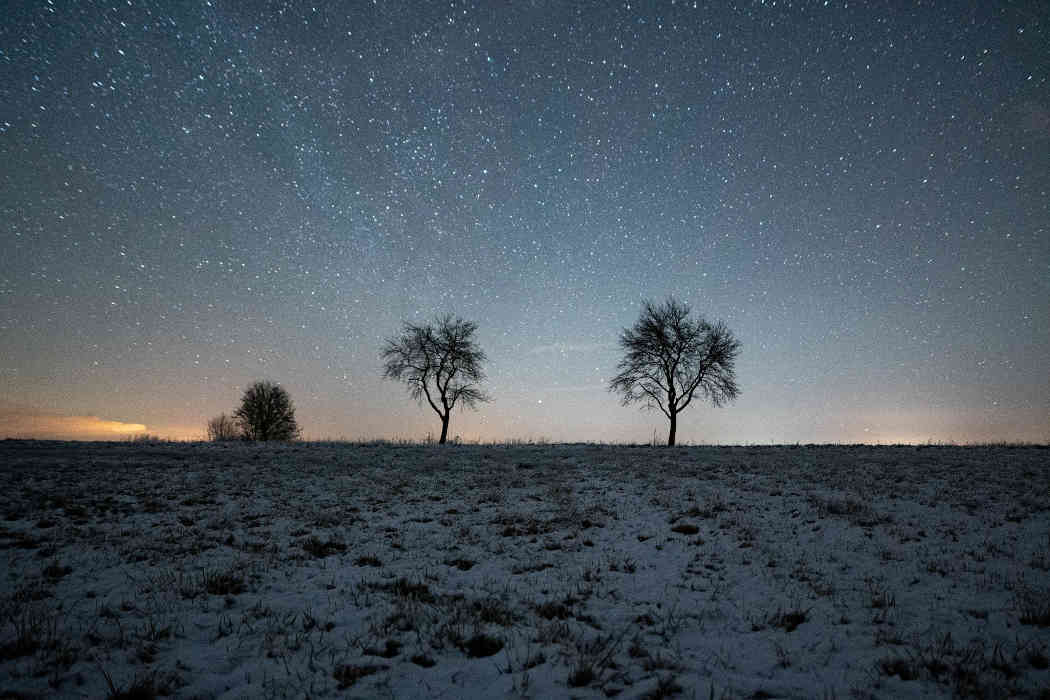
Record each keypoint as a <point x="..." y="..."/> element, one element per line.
<point x="789" y="621"/>
<point x="368" y="560"/>
<point x="1033" y="607"/>
<point x="581" y="675"/>
<point x="314" y="546"/>
<point x="423" y="660"/>
<point x="482" y="645"/>
<point x="223" y="582"/>
<point x="348" y="674"/>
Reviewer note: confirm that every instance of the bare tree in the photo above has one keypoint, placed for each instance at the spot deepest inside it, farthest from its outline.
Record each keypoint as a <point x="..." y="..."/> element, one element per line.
<point x="223" y="428"/>
<point x="440" y="362"/>
<point x="267" y="413"/>
<point x="668" y="359"/>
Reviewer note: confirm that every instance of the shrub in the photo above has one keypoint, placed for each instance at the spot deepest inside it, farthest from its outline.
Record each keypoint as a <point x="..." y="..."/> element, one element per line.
<point x="223" y="428"/>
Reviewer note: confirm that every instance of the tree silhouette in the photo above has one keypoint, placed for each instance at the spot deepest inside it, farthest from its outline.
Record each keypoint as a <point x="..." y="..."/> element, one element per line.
<point x="440" y="362"/>
<point x="223" y="428"/>
<point x="267" y="413"/>
<point x="668" y="359"/>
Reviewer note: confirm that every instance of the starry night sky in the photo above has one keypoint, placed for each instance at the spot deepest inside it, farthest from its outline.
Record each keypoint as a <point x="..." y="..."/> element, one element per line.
<point x="197" y="195"/>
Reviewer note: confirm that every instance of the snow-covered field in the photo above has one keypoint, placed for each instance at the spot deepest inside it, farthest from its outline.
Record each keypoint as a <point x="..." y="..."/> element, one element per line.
<point x="344" y="570"/>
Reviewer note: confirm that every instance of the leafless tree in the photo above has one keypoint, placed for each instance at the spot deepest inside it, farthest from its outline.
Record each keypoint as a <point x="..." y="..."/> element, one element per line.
<point x="440" y="362"/>
<point x="668" y="359"/>
<point x="267" y="413"/>
<point x="223" y="428"/>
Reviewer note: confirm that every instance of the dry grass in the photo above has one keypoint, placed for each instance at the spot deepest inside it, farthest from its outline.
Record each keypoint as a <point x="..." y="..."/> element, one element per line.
<point x="595" y="571"/>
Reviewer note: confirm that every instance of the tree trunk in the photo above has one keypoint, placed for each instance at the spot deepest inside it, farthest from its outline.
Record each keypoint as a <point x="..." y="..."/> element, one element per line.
<point x="444" y="429"/>
<point x="670" y="433"/>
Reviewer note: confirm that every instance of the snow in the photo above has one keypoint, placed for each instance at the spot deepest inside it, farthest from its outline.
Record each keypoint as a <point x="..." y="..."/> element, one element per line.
<point x="590" y="571"/>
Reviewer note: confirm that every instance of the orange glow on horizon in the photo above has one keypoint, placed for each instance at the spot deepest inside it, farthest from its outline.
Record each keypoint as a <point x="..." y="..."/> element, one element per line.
<point x="49" y="426"/>
<point x="115" y="426"/>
